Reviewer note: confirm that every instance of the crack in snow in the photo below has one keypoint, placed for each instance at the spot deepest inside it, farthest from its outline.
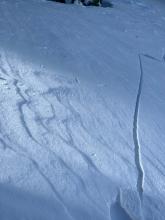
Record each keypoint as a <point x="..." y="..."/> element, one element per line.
<point x="138" y="162"/>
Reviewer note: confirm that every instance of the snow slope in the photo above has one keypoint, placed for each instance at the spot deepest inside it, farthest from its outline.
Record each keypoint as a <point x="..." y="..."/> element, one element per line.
<point x="82" y="111"/>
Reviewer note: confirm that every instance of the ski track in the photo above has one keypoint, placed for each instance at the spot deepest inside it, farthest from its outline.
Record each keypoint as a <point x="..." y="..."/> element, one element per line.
<point x="23" y="153"/>
<point x="138" y="160"/>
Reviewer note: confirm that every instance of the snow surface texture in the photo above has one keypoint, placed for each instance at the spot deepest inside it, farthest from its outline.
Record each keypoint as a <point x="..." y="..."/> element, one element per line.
<point x="82" y="111"/>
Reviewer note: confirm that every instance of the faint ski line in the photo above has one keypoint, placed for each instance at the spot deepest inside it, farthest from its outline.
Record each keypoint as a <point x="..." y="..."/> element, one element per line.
<point x="20" y="106"/>
<point x="138" y="162"/>
<point x="35" y="164"/>
<point x="152" y="57"/>
<point x="163" y="58"/>
<point x="26" y="155"/>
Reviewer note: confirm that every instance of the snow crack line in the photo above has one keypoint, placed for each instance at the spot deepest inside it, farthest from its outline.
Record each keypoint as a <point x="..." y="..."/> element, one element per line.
<point x="138" y="162"/>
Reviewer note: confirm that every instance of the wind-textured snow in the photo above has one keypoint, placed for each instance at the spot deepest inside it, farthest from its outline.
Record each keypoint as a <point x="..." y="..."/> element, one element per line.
<point x="82" y="111"/>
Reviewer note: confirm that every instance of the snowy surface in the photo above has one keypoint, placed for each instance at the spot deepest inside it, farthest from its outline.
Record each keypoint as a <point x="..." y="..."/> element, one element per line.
<point x="82" y="102"/>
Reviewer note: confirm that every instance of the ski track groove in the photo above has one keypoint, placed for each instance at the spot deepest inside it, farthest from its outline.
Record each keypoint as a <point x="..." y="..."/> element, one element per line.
<point x="138" y="160"/>
<point x="61" y="201"/>
<point x="23" y="153"/>
<point x="20" y="109"/>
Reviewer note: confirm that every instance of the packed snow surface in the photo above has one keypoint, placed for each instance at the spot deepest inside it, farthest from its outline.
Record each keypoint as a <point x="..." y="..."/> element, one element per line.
<point x="82" y="111"/>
